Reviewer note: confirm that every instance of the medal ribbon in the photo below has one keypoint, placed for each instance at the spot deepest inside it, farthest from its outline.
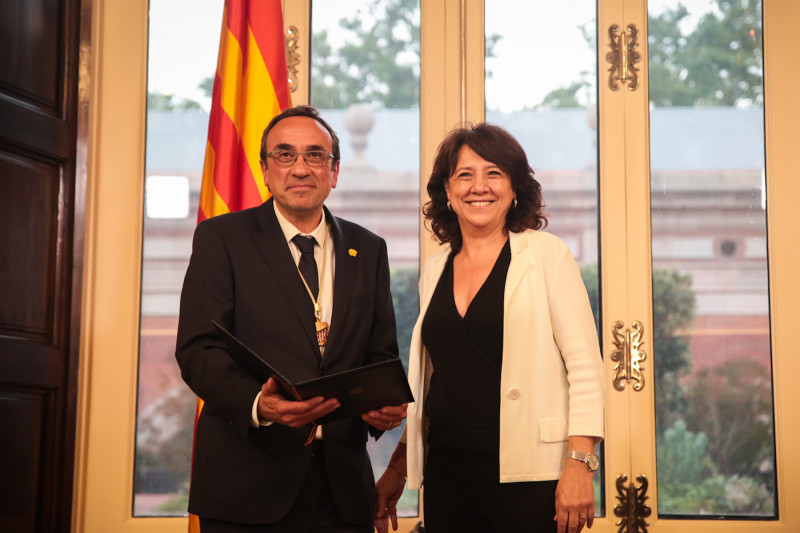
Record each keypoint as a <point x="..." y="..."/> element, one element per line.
<point x="321" y="327"/>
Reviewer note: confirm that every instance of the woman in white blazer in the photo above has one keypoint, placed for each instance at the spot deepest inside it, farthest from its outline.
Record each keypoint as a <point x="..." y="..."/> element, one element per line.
<point x="504" y="364"/>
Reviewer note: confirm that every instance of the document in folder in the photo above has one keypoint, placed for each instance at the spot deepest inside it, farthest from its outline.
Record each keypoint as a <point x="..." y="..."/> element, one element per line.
<point x="358" y="390"/>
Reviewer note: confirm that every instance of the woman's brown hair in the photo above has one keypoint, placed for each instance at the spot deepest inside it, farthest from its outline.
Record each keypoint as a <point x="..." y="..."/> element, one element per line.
<point x="496" y="145"/>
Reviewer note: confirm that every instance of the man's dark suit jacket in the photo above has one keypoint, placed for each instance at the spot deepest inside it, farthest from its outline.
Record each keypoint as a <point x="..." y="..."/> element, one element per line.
<point x="242" y="275"/>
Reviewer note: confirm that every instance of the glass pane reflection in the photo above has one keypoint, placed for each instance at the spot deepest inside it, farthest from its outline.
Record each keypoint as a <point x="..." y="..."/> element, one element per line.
<point x="714" y="412"/>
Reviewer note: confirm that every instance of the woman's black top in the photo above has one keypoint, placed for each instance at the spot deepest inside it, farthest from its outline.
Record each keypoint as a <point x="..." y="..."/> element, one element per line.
<point x="463" y="402"/>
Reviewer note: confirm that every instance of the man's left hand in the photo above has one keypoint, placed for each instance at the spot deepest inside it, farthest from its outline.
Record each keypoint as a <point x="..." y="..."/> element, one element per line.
<point x="386" y="418"/>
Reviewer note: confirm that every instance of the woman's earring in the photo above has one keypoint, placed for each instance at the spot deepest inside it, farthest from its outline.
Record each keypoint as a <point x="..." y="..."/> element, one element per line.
<point x="450" y="207"/>
<point x="514" y="203"/>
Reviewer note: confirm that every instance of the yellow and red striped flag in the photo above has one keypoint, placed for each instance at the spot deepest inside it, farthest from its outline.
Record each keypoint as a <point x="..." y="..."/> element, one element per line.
<point x="251" y="86"/>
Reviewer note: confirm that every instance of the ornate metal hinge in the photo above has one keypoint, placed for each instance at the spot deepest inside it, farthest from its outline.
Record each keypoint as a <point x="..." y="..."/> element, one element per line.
<point x="628" y="355"/>
<point x="631" y="509"/>
<point x="292" y="37"/>
<point x="623" y="57"/>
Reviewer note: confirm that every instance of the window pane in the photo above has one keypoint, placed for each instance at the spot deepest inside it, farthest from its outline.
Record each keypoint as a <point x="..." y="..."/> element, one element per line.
<point x="184" y="37"/>
<point x="548" y="102"/>
<point x="365" y="80"/>
<point x="712" y="360"/>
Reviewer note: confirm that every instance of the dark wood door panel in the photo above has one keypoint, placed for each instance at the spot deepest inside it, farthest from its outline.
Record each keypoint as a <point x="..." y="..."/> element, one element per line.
<point x="29" y="229"/>
<point x="26" y="364"/>
<point x="21" y="458"/>
<point x="31" y="129"/>
<point x="32" y="62"/>
<point x="30" y="477"/>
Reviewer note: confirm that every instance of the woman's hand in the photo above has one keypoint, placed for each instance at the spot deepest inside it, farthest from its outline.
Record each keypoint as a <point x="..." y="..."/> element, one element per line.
<point x="574" y="498"/>
<point x="388" y="490"/>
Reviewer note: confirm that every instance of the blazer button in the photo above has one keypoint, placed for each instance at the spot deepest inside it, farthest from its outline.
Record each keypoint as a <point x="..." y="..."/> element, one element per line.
<point x="514" y="394"/>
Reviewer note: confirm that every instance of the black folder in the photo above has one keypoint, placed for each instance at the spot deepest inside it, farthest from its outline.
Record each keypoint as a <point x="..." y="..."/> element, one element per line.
<point x="358" y="390"/>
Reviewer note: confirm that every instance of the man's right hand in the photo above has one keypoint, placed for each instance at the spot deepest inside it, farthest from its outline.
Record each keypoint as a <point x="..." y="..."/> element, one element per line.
<point x="273" y="406"/>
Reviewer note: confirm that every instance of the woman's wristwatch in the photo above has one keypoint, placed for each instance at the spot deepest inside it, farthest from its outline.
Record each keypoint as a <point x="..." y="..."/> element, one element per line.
<point x="590" y="459"/>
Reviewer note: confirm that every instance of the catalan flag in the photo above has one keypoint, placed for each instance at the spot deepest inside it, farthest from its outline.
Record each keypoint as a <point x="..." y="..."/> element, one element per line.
<point x="251" y="86"/>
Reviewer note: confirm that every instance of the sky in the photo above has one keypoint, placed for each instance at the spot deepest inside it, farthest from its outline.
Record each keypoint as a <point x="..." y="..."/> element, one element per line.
<point x="184" y="41"/>
<point x="541" y="49"/>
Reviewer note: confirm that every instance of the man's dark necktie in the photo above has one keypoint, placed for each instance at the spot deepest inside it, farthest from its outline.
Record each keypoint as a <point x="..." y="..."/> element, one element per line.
<point x="307" y="264"/>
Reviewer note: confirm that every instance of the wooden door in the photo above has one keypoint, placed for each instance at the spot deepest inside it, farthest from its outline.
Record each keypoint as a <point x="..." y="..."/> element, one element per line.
<point x="39" y="273"/>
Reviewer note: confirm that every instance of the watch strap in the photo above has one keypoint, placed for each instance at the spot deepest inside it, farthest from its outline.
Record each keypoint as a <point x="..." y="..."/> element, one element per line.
<point x="583" y="457"/>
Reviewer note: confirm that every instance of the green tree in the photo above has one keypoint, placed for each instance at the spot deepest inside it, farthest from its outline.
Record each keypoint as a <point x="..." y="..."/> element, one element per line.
<point x="682" y="458"/>
<point x="667" y="62"/>
<point x="731" y="403"/>
<point x="674" y="305"/>
<point x="378" y="64"/>
<point x="717" y="63"/>
<point x="563" y="96"/>
<point x="689" y="482"/>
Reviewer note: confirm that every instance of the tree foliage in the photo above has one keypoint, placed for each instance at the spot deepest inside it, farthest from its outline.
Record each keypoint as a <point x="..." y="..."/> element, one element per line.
<point x="719" y="457"/>
<point x="563" y="96"/>
<point x="689" y="482"/>
<point x="717" y="63"/>
<point x="731" y="404"/>
<point x="377" y="64"/>
<point x="674" y="304"/>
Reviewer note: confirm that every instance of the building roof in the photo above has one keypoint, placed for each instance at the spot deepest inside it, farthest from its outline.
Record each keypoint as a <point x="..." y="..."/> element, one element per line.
<point x="559" y="139"/>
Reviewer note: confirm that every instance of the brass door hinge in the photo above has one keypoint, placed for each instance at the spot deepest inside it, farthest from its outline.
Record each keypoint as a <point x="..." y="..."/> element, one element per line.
<point x="628" y="355"/>
<point x="632" y="509"/>
<point x="292" y="38"/>
<point x="623" y="57"/>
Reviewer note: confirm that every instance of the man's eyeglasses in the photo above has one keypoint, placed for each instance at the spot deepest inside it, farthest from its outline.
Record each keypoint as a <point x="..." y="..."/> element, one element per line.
<point x="287" y="158"/>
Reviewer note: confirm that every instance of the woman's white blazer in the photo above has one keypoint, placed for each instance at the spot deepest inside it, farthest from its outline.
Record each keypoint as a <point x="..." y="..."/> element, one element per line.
<point x="551" y="382"/>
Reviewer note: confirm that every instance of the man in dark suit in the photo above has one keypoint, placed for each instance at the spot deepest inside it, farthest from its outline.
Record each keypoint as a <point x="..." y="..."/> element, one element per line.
<point x="259" y="464"/>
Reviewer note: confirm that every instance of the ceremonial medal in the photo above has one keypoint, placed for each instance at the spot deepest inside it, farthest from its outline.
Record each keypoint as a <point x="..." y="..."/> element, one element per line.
<point x="320" y="326"/>
<point x="322" y="332"/>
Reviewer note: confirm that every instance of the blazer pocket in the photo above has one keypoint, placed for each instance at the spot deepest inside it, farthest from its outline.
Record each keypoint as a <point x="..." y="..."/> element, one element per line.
<point x="553" y="429"/>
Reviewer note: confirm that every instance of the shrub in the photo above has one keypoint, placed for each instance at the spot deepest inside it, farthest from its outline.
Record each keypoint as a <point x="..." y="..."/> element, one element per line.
<point x="689" y="483"/>
<point x="732" y="404"/>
